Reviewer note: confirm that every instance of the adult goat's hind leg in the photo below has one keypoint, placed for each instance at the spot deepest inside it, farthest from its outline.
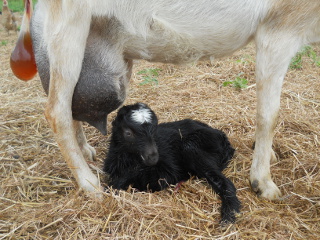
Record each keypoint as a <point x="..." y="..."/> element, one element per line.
<point x="66" y="29"/>
<point x="274" y="52"/>
<point x="88" y="151"/>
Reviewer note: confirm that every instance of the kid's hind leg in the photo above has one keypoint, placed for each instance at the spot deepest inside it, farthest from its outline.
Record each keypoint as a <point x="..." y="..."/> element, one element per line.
<point x="227" y="192"/>
<point x="206" y="167"/>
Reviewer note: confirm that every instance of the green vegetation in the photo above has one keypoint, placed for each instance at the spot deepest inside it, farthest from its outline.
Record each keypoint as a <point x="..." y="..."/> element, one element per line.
<point x="245" y="59"/>
<point x="149" y="76"/>
<point x="17" y="5"/>
<point x="296" y="62"/>
<point x="239" y="83"/>
<point x="4" y="43"/>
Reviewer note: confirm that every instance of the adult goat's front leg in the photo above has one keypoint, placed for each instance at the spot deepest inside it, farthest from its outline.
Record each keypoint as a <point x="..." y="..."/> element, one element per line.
<point x="273" y="59"/>
<point x="66" y="33"/>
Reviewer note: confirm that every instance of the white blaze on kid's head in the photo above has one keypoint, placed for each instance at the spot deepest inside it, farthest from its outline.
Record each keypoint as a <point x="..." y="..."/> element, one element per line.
<point x="142" y="115"/>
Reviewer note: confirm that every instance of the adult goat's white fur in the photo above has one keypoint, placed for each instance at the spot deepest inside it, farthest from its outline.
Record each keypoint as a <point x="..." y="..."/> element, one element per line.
<point x="173" y="31"/>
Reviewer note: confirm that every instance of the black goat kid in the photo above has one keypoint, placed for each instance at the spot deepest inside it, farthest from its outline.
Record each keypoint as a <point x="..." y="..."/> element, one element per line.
<point x="149" y="156"/>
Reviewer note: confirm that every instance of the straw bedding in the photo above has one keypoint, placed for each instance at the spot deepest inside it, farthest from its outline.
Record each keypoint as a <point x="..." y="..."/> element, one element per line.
<point x="39" y="198"/>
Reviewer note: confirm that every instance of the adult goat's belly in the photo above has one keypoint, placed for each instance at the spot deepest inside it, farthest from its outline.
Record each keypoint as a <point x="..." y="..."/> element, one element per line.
<point x="167" y="46"/>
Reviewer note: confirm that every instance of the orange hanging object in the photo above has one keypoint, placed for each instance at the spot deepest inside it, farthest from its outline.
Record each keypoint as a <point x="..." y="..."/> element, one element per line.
<point x="22" y="60"/>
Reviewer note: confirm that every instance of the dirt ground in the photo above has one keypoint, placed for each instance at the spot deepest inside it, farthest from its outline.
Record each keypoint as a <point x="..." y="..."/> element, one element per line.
<point x="39" y="197"/>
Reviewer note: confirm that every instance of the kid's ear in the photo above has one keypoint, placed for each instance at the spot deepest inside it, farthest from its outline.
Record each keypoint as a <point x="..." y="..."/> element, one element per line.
<point x="120" y="116"/>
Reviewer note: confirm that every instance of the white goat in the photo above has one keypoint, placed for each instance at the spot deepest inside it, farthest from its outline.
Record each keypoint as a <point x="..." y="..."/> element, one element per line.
<point x="171" y="31"/>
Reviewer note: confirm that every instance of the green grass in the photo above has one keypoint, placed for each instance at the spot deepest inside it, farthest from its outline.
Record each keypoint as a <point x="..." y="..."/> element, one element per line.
<point x="149" y="76"/>
<point x="17" y="5"/>
<point x="296" y="62"/>
<point x="4" y="43"/>
<point x="238" y="83"/>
